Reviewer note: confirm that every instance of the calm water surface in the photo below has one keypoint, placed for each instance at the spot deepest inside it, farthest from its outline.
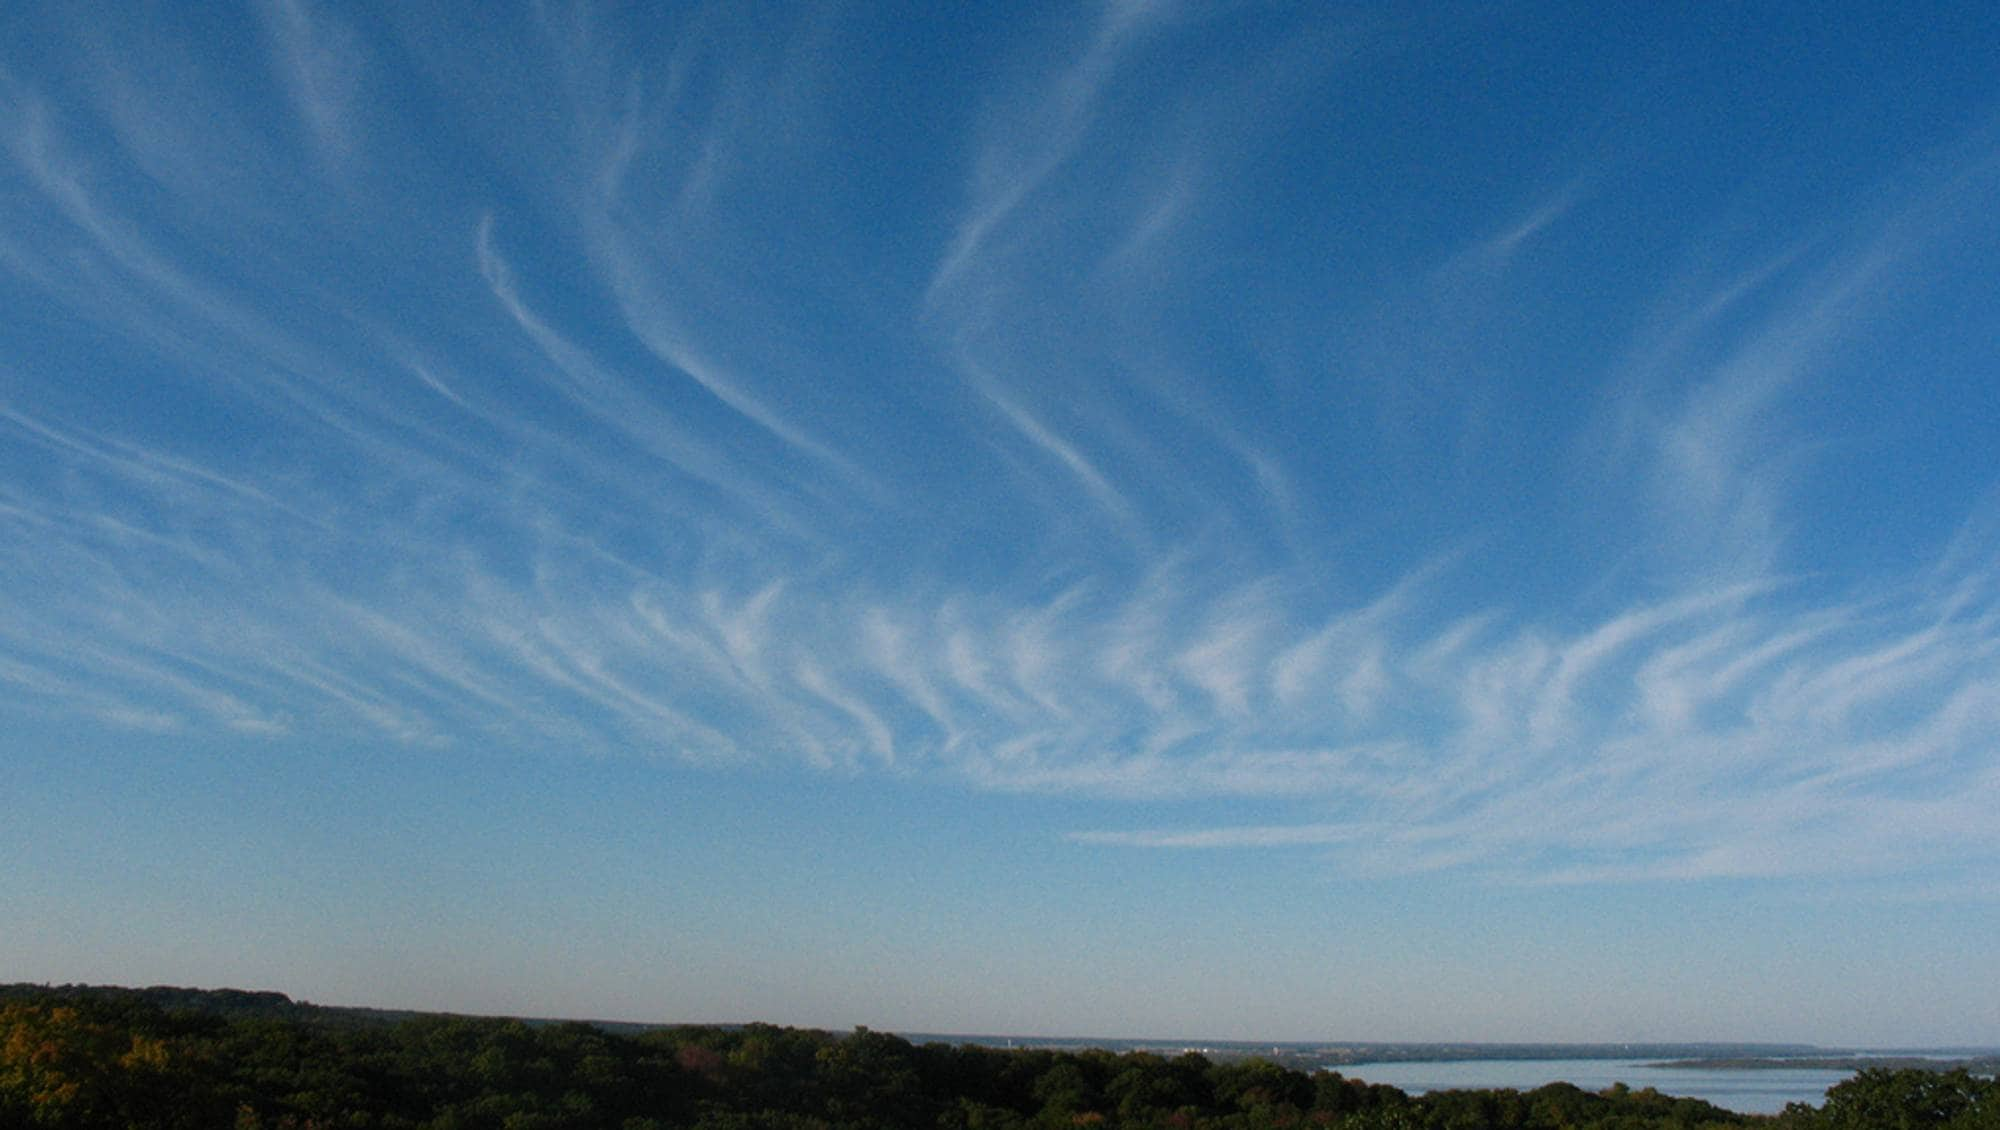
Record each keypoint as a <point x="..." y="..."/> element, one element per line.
<point x="1746" y="1090"/>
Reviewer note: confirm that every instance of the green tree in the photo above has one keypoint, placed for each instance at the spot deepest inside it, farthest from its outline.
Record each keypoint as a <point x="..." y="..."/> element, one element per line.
<point x="1884" y="1099"/>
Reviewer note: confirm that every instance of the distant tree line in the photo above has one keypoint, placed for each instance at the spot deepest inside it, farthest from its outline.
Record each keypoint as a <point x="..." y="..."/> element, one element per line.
<point x="121" y="1059"/>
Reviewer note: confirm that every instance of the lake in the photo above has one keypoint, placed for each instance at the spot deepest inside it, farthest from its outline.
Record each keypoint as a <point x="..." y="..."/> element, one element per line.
<point x="1745" y="1090"/>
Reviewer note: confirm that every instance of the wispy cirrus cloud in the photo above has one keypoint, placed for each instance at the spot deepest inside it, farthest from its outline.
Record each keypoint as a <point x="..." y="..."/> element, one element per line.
<point x="321" y="68"/>
<point x="1048" y="475"/>
<point x="1777" y="738"/>
<point x="1023" y="151"/>
<point x="1705" y="403"/>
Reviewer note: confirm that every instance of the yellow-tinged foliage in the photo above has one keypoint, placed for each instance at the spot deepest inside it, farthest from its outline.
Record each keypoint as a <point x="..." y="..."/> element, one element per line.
<point x="61" y="1068"/>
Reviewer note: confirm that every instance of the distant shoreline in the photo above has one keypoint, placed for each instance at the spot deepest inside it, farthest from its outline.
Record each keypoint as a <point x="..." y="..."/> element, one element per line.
<point x="1338" y="1055"/>
<point x="1978" y="1065"/>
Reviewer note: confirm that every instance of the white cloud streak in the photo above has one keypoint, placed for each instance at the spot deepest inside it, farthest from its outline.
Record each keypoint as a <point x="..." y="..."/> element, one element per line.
<point x="319" y="62"/>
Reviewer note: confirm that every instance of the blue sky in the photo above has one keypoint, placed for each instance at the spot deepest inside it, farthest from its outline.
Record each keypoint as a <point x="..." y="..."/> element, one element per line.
<point x="1217" y="520"/>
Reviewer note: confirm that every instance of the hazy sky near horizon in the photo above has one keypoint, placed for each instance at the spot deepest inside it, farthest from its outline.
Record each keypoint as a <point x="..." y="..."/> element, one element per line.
<point x="1174" y="519"/>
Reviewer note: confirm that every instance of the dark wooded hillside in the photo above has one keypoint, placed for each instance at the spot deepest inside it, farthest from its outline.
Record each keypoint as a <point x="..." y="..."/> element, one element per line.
<point x="91" y="1058"/>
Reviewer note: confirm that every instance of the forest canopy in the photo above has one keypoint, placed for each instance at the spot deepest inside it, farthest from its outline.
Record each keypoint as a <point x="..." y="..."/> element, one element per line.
<point x="148" y="1058"/>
